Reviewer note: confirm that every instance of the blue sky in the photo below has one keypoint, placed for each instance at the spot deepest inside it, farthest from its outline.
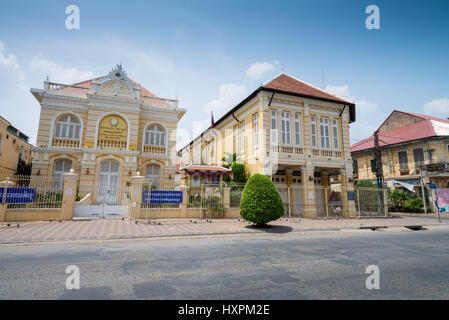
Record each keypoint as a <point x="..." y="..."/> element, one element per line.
<point x="211" y="54"/>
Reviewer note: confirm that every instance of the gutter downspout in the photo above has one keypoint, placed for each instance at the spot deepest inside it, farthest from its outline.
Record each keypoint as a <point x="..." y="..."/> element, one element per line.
<point x="235" y="117"/>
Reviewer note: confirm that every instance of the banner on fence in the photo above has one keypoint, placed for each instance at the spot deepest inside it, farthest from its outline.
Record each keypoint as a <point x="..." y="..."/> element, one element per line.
<point x="443" y="199"/>
<point x="18" y="195"/>
<point x="161" y="196"/>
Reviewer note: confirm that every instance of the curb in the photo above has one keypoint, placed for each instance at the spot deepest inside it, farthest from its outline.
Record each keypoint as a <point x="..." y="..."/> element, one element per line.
<point x="360" y="229"/>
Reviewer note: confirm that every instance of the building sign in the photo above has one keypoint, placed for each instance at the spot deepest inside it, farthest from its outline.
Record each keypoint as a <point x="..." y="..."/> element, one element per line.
<point x="18" y="195"/>
<point x="113" y="128"/>
<point x="161" y="196"/>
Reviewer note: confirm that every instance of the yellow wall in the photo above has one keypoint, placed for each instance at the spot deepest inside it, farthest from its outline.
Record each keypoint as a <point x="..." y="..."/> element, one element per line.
<point x="10" y="146"/>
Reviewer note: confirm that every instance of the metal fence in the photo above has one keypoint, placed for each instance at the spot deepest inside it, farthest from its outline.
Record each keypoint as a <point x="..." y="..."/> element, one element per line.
<point x="371" y="202"/>
<point x="31" y="191"/>
<point x="159" y="185"/>
<point x="236" y="191"/>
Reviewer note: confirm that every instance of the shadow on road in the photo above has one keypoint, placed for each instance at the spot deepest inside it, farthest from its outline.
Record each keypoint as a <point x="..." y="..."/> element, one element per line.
<point x="272" y="229"/>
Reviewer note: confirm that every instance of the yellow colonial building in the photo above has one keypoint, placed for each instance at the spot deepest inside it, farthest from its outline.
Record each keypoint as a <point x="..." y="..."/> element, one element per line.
<point x="291" y="131"/>
<point x="107" y="129"/>
<point x="14" y="146"/>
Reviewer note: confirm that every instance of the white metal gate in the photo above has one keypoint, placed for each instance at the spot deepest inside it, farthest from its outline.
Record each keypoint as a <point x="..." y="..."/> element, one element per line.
<point x="108" y="182"/>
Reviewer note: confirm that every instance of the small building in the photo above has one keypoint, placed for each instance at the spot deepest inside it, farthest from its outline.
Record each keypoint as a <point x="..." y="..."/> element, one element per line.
<point x="16" y="152"/>
<point x="291" y="131"/>
<point x="410" y="143"/>
<point x="107" y="129"/>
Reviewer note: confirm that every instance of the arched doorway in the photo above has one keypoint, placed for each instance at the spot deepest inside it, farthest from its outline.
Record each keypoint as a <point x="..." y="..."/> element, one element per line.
<point x="108" y="182"/>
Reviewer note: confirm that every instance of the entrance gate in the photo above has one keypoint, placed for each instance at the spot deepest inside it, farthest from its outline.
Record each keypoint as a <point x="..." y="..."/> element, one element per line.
<point x="105" y="199"/>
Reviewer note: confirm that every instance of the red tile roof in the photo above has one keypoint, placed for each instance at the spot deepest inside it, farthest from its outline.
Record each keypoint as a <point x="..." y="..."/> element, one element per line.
<point x="287" y="83"/>
<point x="429" y="127"/>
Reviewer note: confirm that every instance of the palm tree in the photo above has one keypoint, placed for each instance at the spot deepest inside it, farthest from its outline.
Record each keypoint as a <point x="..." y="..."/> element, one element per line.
<point x="229" y="159"/>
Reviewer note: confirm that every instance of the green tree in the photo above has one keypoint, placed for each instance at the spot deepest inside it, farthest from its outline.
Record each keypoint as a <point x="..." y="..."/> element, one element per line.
<point x="239" y="173"/>
<point x="415" y="204"/>
<point x="228" y="159"/>
<point x="398" y="197"/>
<point x="261" y="201"/>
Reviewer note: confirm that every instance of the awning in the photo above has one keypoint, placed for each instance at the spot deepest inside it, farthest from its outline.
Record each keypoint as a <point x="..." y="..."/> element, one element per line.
<point x="409" y="184"/>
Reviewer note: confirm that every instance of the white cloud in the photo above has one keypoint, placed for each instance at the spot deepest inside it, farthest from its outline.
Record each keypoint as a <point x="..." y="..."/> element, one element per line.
<point x="438" y="107"/>
<point x="9" y="62"/>
<point x="229" y="95"/>
<point x="58" y="73"/>
<point x="258" y="69"/>
<point x="339" y="91"/>
<point x="344" y="93"/>
<point x="367" y="114"/>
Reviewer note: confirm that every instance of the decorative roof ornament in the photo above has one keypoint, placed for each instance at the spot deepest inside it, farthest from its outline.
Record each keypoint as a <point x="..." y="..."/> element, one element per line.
<point x="117" y="73"/>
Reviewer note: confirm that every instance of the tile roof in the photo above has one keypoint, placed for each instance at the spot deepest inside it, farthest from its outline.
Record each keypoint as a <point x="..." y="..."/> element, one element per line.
<point x="429" y="127"/>
<point x="286" y="83"/>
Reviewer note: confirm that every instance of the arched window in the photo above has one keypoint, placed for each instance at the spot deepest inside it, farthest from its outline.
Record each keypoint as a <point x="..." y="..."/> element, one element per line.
<point x="153" y="173"/>
<point x="67" y="127"/>
<point x="155" y="135"/>
<point x="60" y="167"/>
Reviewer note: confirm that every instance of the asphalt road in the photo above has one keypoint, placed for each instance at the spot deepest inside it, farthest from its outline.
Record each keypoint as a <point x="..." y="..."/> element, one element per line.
<point x="413" y="265"/>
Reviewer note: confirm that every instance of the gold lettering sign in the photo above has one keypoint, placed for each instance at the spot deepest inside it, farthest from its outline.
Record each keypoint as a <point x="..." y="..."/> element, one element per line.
<point x="113" y="128"/>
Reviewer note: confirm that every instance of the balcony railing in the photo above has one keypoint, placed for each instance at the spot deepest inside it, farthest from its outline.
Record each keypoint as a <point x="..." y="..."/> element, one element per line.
<point x="110" y="144"/>
<point x="300" y="151"/>
<point x="65" y="143"/>
<point x="65" y="90"/>
<point x="148" y="149"/>
<point x="160" y="102"/>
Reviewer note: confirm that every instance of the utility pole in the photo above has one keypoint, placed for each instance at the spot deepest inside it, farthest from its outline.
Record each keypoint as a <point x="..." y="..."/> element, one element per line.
<point x="422" y="188"/>
<point x="379" y="172"/>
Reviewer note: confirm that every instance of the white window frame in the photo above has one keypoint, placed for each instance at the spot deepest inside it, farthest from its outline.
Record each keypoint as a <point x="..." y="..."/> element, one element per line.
<point x="274" y="128"/>
<point x="286" y="128"/>
<point x="313" y="132"/>
<point x="154" y="178"/>
<point x="58" y="174"/>
<point x="298" y="135"/>
<point x="335" y="134"/>
<point x="155" y="135"/>
<point x="242" y="138"/>
<point x="256" y="132"/>
<point x="69" y="129"/>
<point x="325" y="141"/>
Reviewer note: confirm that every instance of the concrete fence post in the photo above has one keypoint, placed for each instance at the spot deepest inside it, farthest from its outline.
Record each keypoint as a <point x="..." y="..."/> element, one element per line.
<point x="185" y="201"/>
<point x="136" y="195"/>
<point x="69" y="195"/>
<point x="226" y="199"/>
<point x="5" y="185"/>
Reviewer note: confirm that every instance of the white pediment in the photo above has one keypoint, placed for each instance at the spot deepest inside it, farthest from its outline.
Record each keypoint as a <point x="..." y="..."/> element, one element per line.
<point x="116" y="83"/>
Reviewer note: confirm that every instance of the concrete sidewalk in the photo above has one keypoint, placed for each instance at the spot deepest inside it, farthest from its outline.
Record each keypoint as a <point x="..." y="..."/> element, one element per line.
<point x="54" y="231"/>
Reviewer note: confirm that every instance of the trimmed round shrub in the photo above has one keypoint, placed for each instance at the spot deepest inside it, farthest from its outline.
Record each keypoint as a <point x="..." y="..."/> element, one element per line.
<point x="261" y="201"/>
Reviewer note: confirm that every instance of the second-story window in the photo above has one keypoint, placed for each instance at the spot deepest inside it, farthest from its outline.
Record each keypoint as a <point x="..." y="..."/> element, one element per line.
<point x="155" y="135"/>
<point x="313" y="131"/>
<point x="403" y="160"/>
<point x="242" y="137"/>
<point x="324" y="133"/>
<point x="67" y="127"/>
<point x="286" y="131"/>
<point x="256" y="132"/>
<point x="297" y="129"/>
<point x="274" y="128"/>
<point x="335" y="133"/>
